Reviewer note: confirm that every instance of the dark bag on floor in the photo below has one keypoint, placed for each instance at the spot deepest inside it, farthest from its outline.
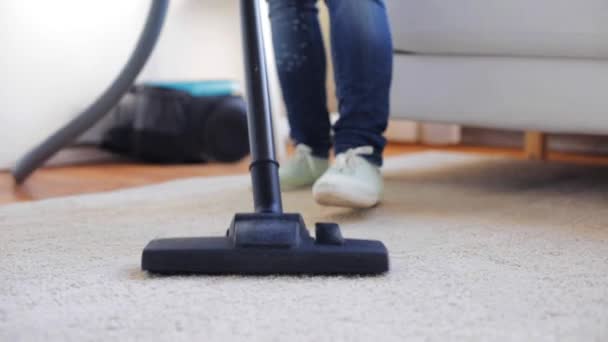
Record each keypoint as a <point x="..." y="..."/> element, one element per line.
<point x="162" y="125"/>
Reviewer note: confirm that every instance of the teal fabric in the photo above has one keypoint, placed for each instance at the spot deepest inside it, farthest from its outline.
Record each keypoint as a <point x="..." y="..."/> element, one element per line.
<point x="200" y="88"/>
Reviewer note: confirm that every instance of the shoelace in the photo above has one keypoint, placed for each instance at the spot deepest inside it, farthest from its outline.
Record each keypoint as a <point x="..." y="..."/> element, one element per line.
<point x="305" y="152"/>
<point x="347" y="162"/>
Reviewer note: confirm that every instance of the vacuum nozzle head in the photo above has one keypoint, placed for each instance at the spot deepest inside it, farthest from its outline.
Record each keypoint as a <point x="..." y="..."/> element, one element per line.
<point x="267" y="244"/>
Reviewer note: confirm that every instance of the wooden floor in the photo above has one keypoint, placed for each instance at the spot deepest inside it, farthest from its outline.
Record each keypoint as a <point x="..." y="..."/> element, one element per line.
<point x="82" y="179"/>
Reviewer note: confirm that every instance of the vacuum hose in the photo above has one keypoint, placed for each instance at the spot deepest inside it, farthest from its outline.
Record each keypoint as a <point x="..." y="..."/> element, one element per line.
<point x="108" y="99"/>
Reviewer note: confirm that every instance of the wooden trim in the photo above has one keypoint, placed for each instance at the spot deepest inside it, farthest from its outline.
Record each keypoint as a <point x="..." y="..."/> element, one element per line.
<point x="535" y="145"/>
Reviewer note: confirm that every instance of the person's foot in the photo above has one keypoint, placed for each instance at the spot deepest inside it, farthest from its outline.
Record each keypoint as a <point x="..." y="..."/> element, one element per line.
<point x="351" y="182"/>
<point x="301" y="170"/>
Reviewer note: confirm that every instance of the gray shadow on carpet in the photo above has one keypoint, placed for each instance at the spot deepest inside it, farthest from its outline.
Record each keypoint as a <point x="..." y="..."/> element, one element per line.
<point x="492" y="189"/>
<point x="508" y="175"/>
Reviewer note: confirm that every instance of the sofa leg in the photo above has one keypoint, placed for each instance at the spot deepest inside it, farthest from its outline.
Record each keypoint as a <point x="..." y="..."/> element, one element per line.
<point x="535" y="145"/>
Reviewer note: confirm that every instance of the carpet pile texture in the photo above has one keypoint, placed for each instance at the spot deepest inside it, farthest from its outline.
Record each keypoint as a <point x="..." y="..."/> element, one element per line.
<point x="481" y="248"/>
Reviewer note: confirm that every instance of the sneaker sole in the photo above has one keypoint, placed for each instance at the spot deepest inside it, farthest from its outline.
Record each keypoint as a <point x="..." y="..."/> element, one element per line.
<point x="331" y="196"/>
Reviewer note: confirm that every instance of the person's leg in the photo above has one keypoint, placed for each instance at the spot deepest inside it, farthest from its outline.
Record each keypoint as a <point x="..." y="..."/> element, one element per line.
<point x="300" y="60"/>
<point x="362" y="55"/>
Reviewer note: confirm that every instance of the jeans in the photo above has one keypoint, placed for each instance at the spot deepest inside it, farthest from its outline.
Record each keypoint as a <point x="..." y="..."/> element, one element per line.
<point x="362" y="56"/>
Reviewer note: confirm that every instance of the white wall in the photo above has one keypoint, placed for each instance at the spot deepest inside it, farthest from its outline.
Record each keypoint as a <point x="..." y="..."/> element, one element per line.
<point x="57" y="56"/>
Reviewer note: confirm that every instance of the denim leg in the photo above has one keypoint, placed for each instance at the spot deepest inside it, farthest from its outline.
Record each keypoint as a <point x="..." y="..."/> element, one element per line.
<point x="363" y="61"/>
<point x="301" y="65"/>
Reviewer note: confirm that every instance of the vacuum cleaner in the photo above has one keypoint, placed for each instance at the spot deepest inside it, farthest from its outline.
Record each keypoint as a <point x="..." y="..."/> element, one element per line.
<point x="266" y="241"/>
<point x="33" y="159"/>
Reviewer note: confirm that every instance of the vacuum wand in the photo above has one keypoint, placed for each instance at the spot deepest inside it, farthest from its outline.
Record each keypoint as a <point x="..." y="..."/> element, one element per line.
<point x="264" y="167"/>
<point x="266" y="241"/>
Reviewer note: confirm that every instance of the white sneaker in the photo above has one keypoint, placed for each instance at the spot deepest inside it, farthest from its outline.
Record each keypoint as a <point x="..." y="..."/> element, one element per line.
<point x="301" y="170"/>
<point x="351" y="182"/>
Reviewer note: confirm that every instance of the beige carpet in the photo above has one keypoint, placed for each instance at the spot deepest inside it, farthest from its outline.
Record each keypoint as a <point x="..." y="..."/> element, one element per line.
<point x="481" y="249"/>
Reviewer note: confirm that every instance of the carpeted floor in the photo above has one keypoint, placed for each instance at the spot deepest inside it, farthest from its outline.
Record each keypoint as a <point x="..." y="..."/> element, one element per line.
<point x="481" y="249"/>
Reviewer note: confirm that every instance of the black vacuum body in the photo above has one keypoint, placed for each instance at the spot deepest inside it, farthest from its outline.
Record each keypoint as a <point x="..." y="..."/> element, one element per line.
<point x="267" y="241"/>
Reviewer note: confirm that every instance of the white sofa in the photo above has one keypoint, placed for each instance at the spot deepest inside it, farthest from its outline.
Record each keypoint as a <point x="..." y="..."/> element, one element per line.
<point x="513" y="64"/>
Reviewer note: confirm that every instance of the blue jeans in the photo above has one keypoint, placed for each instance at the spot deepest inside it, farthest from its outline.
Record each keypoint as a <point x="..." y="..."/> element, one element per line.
<point x="362" y="56"/>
